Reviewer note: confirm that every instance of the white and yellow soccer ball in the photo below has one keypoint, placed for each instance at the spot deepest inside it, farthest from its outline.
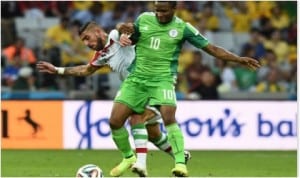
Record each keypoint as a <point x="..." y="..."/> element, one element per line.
<point x="89" y="171"/>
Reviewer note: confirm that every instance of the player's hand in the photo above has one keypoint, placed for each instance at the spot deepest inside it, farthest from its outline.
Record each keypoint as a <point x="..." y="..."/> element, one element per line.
<point x="124" y="40"/>
<point x="125" y="28"/>
<point x="46" y="67"/>
<point x="251" y="63"/>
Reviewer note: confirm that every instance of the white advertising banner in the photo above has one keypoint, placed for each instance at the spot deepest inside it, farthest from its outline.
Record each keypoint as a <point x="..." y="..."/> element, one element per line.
<point x="206" y="125"/>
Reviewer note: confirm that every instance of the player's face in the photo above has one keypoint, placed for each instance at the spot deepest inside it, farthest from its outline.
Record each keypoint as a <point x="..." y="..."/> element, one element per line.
<point x="93" y="39"/>
<point x="164" y="12"/>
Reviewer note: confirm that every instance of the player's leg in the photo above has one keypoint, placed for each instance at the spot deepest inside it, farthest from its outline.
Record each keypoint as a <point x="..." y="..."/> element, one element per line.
<point x="157" y="137"/>
<point x="163" y="95"/>
<point x="119" y="114"/>
<point x="140" y="136"/>
<point x="152" y="119"/>
<point x="175" y="137"/>
<point x="131" y="98"/>
<point x="160" y="140"/>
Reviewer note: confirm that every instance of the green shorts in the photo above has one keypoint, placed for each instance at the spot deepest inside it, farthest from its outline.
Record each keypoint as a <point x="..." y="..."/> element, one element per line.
<point x="137" y="93"/>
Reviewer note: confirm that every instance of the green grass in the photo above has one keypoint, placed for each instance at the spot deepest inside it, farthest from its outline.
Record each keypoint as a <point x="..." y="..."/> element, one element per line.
<point x="64" y="163"/>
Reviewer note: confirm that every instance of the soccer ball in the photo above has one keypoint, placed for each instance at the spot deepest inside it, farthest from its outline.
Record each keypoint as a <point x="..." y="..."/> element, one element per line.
<point x="89" y="171"/>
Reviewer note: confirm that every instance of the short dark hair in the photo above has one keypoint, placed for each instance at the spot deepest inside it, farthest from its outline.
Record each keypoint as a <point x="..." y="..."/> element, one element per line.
<point x="172" y="3"/>
<point x="86" y="26"/>
<point x="83" y="27"/>
<point x="76" y="23"/>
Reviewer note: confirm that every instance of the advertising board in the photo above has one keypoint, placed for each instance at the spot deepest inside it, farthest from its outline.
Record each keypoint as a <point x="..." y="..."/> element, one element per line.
<point x="215" y="125"/>
<point x="31" y="124"/>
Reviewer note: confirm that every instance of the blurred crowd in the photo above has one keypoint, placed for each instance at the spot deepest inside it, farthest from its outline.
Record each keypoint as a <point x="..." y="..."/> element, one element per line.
<point x="268" y="28"/>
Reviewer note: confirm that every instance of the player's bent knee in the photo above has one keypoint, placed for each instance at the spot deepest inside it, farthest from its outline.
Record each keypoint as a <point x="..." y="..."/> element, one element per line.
<point x="115" y="123"/>
<point x="135" y="122"/>
<point x="136" y="119"/>
<point x="169" y="121"/>
<point x="153" y="131"/>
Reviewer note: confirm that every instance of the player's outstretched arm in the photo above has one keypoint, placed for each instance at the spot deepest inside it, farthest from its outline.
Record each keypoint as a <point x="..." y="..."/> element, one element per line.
<point x="223" y="54"/>
<point x="81" y="70"/>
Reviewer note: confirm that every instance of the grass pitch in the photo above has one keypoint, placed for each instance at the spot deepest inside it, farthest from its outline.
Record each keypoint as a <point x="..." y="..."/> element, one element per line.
<point x="64" y="163"/>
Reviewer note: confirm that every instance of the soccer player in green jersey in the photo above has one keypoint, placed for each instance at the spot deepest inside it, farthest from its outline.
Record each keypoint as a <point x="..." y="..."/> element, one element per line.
<point x="159" y="37"/>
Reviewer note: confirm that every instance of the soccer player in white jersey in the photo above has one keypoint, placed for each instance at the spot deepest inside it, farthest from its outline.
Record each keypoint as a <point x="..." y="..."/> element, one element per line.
<point x="108" y="52"/>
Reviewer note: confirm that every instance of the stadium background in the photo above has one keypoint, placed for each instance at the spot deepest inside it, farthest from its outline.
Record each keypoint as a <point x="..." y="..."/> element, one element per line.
<point x="222" y="106"/>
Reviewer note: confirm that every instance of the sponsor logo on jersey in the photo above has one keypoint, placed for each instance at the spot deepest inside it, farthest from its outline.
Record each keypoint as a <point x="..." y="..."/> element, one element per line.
<point x="173" y="33"/>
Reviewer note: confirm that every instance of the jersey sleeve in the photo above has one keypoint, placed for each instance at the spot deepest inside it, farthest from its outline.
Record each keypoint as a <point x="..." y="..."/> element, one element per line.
<point x="192" y="35"/>
<point x="114" y="35"/>
<point x="135" y="36"/>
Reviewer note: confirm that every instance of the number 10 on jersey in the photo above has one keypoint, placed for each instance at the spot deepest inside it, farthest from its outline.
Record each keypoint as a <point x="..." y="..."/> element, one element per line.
<point x="155" y="42"/>
<point x="168" y="94"/>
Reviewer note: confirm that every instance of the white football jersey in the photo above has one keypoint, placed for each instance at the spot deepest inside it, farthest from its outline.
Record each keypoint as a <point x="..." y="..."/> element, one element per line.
<point x="113" y="54"/>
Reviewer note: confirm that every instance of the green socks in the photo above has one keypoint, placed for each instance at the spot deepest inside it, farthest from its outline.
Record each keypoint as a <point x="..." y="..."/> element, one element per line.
<point x="120" y="137"/>
<point x="175" y="138"/>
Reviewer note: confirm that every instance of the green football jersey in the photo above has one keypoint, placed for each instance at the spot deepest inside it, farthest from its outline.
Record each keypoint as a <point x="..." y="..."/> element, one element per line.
<point x="158" y="46"/>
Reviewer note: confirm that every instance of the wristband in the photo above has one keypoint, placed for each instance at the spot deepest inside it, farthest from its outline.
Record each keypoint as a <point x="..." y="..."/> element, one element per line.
<point x="60" y="70"/>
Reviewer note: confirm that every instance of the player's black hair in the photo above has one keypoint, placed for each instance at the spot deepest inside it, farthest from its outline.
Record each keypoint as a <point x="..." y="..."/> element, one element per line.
<point x="83" y="27"/>
<point x="76" y="23"/>
<point x="172" y="3"/>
